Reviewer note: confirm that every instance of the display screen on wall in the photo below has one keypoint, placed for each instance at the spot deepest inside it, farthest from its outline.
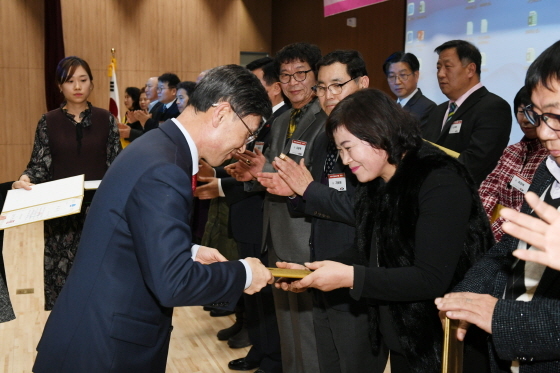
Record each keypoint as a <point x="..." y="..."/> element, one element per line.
<point x="510" y="34"/>
<point x="338" y="6"/>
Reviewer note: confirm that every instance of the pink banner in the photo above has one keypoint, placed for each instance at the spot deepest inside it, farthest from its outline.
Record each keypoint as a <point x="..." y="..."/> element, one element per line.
<point x="339" y="6"/>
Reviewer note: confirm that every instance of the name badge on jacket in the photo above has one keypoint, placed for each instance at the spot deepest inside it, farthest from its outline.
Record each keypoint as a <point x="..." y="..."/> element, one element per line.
<point x="456" y="126"/>
<point x="259" y="145"/>
<point x="338" y="182"/>
<point x="298" y="147"/>
<point x="520" y="184"/>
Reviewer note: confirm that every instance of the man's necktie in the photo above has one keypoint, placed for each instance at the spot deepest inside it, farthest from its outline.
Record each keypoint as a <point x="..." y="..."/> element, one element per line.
<point x="332" y="153"/>
<point x="293" y="123"/>
<point x="516" y="282"/>
<point x="452" y="108"/>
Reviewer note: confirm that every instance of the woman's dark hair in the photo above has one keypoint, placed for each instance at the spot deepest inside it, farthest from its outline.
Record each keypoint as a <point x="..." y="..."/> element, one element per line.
<point x="187" y="86"/>
<point x="521" y="98"/>
<point x="372" y="116"/>
<point x="134" y="94"/>
<point x="67" y="66"/>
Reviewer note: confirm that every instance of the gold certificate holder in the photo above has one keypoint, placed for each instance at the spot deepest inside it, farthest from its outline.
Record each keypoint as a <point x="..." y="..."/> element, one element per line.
<point x="452" y="359"/>
<point x="289" y="273"/>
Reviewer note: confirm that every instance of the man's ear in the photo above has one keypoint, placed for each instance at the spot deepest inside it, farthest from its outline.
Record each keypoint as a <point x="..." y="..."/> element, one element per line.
<point x="471" y="69"/>
<point x="221" y="111"/>
<point x="174" y="92"/>
<point x="363" y="82"/>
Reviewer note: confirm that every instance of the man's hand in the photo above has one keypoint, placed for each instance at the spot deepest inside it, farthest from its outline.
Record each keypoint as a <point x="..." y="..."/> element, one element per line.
<point x="142" y="116"/>
<point x="274" y="184"/>
<point x="261" y="276"/>
<point x="251" y="162"/>
<point x="543" y="235"/>
<point x="124" y="130"/>
<point x="208" y="255"/>
<point x="207" y="191"/>
<point x="237" y="171"/>
<point x="470" y="308"/>
<point x="23" y="183"/>
<point x="296" y="176"/>
<point x="204" y="169"/>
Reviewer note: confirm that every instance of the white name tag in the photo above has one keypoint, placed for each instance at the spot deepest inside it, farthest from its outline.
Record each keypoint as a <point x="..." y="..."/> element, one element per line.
<point x="520" y="184"/>
<point x="456" y="127"/>
<point x="298" y="147"/>
<point x="259" y="145"/>
<point x="338" y="182"/>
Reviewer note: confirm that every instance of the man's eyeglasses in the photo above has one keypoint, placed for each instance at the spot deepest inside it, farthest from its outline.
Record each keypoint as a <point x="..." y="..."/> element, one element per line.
<point x="551" y="120"/>
<point x="159" y="89"/>
<point x="335" y="88"/>
<point x="393" y="78"/>
<point x="299" y="76"/>
<point x="252" y="135"/>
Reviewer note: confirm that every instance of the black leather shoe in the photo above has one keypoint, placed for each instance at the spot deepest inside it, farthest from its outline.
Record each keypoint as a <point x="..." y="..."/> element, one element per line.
<point x="242" y="364"/>
<point x="219" y="313"/>
<point x="227" y="333"/>
<point x="240" y="340"/>
<point x="207" y="308"/>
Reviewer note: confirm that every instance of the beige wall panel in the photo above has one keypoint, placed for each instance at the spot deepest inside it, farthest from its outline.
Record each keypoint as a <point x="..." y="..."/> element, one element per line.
<point x="21" y="24"/>
<point x="13" y="161"/>
<point x="21" y="114"/>
<point x="255" y="26"/>
<point x="150" y="38"/>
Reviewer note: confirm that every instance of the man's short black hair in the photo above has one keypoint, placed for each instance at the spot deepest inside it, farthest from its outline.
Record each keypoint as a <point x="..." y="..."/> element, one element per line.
<point x="171" y="79"/>
<point x="407" y="58"/>
<point x="259" y="63"/>
<point x="303" y="52"/>
<point x="355" y="64"/>
<point x="545" y="69"/>
<point x="466" y="51"/>
<point x="236" y="85"/>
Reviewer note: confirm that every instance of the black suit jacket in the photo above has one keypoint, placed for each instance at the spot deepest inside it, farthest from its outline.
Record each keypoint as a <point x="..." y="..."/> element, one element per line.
<point x="246" y="208"/>
<point x="421" y="106"/>
<point x="524" y="331"/>
<point x="158" y="116"/>
<point x="332" y="225"/>
<point x="485" y="127"/>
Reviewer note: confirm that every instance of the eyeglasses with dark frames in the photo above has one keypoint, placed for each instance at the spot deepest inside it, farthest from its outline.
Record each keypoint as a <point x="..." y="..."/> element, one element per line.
<point x="252" y="135"/>
<point x="393" y="78"/>
<point x="335" y="88"/>
<point x="299" y="76"/>
<point x="551" y="120"/>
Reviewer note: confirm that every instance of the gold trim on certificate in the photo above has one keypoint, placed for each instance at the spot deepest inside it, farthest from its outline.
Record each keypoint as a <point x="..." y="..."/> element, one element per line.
<point x="289" y="273"/>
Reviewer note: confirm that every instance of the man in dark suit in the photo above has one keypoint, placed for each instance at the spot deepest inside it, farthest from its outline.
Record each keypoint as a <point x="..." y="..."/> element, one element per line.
<point x="326" y="195"/>
<point x="136" y="261"/>
<point x="142" y="116"/>
<point x="258" y="309"/>
<point x="474" y="122"/>
<point x="287" y="237"/>
<point x="517" y="302"/>
<point x="403" y="72"/>
<point x="167" y="96"/>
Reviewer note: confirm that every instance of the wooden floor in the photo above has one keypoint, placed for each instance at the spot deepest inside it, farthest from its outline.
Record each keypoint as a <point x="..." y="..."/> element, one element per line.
<point x="194" y="346"/>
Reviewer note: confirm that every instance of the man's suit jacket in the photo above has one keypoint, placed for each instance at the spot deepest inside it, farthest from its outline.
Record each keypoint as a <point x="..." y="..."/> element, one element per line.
<point x="245" y="207"/>
<point x="524" y="331"/>
<point x="332" y="226"/>
<point x="421" y="106"/>
<point x="485" y="124"/>
<point x="290" y="234"/>
<point x="158" y="116"/>
<point x="134" y="265"/>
